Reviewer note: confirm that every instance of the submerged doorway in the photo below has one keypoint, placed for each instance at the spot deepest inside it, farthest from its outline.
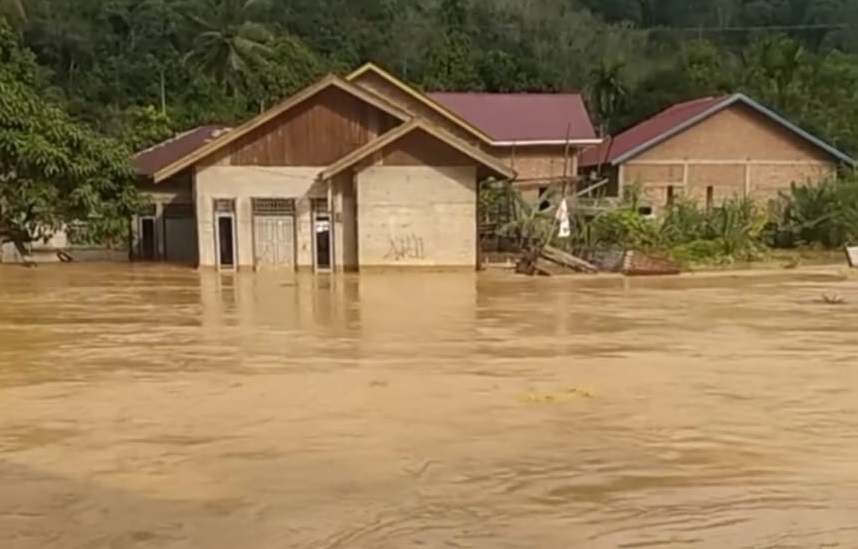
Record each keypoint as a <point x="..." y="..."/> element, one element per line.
<point x="323" y="260"/>
<point x="225" y="247"/>
<point x="273" y="233"/>
<point x="148" y="240"/>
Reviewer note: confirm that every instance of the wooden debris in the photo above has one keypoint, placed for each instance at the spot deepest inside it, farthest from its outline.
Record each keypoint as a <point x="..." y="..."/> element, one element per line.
<point x="531" y="264"/>
<point x="637" y="263"/>
<point x="567" y="260"/>
<point x="851" y="256"/>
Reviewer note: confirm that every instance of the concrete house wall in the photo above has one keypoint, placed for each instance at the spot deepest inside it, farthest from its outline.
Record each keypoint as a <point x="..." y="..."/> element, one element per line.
<point x="416" y="206"/>
<point x="282" y="159"/>
<point x="735" y="152"/>
<point x="242" y="184"/>
<point x="417" y="216"/>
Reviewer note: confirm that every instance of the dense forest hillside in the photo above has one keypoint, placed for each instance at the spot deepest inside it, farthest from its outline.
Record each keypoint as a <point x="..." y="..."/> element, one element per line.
<point x="141" y="69"/>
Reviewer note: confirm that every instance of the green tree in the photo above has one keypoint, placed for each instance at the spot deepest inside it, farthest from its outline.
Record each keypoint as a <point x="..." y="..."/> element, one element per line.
<point x="54" y="173"/>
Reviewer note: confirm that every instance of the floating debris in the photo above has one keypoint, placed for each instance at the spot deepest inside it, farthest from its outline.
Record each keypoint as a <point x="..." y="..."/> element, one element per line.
<point x="833" y="299"/>
<point x="535" y="397"/>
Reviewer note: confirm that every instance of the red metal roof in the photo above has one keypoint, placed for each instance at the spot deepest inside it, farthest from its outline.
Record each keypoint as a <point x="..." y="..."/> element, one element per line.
<point x="150" y="161"/>
<point x="522" y="117"/>
<point x="644" y="132"/>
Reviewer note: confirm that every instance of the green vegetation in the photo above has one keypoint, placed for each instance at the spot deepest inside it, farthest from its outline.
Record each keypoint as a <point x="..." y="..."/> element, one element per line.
<point x="136" y="71"/>
<point x="739" y="230"/>
<point x="54" y="172"/>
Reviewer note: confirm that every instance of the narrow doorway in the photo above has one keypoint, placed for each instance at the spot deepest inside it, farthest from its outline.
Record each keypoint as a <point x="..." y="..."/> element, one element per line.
<point x="148" y="242"/>
<point x="226" y="241"/>
<point x="225" y="233"/>
<point x="322" y="235"/>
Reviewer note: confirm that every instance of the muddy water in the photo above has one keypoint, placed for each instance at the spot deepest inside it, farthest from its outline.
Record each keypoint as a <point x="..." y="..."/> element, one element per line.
<point x="162" y="408"/>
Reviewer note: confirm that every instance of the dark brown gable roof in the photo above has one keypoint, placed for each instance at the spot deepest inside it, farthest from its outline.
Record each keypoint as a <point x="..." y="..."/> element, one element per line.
<point x="282" y="107"/>
<point x="152" y="160"/>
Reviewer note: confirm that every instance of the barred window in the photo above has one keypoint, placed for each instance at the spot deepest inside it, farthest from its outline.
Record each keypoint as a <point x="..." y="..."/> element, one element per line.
<point x="273" y="206"/>
<point x="224" y="205"/>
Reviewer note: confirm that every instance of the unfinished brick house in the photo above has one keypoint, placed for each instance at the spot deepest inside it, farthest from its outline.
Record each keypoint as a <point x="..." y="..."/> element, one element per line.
<point x="711" y="149"/>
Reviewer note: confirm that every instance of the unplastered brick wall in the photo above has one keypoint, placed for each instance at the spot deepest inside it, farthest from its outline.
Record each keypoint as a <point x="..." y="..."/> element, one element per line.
<point x="736" y="152"/>
<point x="703" y="182"/>
<point x="533" y="163"/>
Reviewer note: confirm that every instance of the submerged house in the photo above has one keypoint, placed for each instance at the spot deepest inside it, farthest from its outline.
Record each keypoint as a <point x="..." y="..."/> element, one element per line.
<point x="348" y="173"/>
<point x="711" y="149"/>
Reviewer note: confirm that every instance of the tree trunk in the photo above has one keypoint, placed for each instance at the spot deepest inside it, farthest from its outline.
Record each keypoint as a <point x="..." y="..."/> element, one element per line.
<point x="20" y="239"/>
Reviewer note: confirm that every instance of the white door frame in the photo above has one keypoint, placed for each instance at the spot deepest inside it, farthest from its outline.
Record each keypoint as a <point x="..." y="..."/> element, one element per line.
<point x="218" y="262"/>
<point x="330" y="219"/>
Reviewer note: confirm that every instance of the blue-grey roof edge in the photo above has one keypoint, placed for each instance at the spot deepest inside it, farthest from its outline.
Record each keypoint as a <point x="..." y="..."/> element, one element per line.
<point x="727" y="102"/>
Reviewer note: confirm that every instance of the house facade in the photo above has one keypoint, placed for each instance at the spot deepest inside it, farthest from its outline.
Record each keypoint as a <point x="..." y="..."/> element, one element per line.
<point x="350" y="173"/>
<point x="333" y="178"/>
<point x="712" y="149"/>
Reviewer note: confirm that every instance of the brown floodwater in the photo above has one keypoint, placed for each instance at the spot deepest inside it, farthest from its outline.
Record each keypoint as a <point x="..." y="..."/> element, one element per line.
<point x="162" y="408"/>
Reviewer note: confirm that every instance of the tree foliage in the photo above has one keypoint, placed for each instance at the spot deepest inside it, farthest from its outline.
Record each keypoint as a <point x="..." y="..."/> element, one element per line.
<point x="54" y="172"/>
<point x="203" y="61"/>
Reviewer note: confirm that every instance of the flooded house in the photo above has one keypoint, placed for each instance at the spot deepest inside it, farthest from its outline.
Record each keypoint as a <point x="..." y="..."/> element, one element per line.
<point x="346" y="174"/>
<point x="711" y="149"/>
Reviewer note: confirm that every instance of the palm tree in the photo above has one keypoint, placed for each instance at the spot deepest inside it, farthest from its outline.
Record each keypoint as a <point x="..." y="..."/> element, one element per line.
<point x="228" y="41"/>
<point x="608" y="93"/>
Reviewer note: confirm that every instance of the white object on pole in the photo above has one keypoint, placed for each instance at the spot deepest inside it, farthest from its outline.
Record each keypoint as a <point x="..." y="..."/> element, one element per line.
<point x="562" y="215"/>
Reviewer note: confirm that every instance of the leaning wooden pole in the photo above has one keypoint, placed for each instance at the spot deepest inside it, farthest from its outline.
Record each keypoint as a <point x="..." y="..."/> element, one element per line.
<point x="564" y="190"/>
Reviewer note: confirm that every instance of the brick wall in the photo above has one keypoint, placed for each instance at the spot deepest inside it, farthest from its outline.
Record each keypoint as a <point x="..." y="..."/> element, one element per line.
<point x="735" y="152"/>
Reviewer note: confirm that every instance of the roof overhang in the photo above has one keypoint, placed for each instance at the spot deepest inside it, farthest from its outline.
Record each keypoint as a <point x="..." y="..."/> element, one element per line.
<point x="328" y="82"/>
<point x="479" y="156"/>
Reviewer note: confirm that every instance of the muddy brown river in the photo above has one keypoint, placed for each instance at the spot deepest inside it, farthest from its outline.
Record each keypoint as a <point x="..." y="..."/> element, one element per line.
<point x="148" y="407"/>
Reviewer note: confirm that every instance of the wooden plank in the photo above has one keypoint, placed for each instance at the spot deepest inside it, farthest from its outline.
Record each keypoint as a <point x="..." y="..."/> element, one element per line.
<point x="567" y="260"/>
<point x="852" y="256"/>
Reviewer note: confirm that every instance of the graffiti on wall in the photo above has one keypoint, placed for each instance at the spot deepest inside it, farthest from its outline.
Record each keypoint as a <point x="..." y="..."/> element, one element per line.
<point x="409" y="246"/>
